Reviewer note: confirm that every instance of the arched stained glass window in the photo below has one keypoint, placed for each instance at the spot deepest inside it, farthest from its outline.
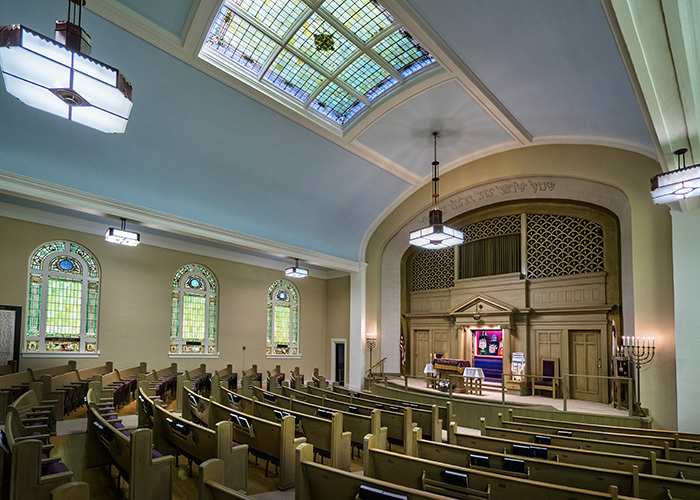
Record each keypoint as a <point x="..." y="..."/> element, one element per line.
<point x="282" y="319"/>
<point x="62" y="300"/>
<point x="193" y="311"/>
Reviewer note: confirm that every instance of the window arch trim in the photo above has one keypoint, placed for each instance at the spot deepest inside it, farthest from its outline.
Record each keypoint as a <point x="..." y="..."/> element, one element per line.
<point x="283" y="312"/>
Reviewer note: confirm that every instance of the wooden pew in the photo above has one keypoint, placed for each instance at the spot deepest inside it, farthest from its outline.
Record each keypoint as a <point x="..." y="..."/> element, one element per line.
<point x="75" y="490"/>
<point x="425" y="416"/>
<point x="30" y="478"/>
<point x="462" y="482"/>
<point x="271" y="441"/>
<point x="248" y="378"/>
<point x="52" y="371"/>
<point x="399" y="424"/>
<point x="187" y="379"/>
<point x="173" y="434"/>
<point x="10" y="367"/>
<point x="629" y="483"/>
<point x="319" y="481"/>
<point x="356" y="424"/>
<point x="676" y="454"/>
<point x="228" y="376"/>
<point x="12" y="386"/>
<point x="318" y="380"/>
<point x="148" y="473"/>
<point x="323" y="430"/>
<point x="67" y="389"/>
<point x="296" y="379"/>
<point x="32" y="412"/>
<point x="614" y="461"/>
<point x="161" y="383"/>
<point x="678" y="439"/>
<point x="86" y="374"/>
<point x="211" y="483"/>
<point x="274" y="379"/>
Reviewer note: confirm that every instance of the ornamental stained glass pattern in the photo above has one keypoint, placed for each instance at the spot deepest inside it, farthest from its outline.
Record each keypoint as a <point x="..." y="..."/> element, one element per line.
<point x="335" y="58"/>
<point x="282" y="319"/>
<point x="62" y="299"/>
<point x="193" y="311"/>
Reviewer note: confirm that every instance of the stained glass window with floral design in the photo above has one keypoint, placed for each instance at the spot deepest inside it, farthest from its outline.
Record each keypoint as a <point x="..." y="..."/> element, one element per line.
<point x="282" y="319"/>
<point x="334" y="58"/>
<point x="62" y="300"/>
<point x="193" y="311"/>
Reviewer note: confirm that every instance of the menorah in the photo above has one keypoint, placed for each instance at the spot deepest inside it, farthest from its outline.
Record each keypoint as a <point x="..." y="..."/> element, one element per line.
<point x="640" y="350"/>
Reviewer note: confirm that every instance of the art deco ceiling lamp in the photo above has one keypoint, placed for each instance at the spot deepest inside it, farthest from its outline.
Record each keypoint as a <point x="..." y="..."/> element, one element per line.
<point x="436" y="235"/>
<point x="122" y="236"/>
<point x="684" y="182"/>
<point x="295" y="271"/>
<point x="59" y="77"/>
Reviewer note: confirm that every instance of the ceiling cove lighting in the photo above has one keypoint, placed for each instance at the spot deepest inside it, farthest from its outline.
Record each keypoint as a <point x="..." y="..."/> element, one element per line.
<point x="436" y="235"/>
<point x="295" y="271"/>
<point x="59" y="77"/>
<point x="122" y="237"/>
<point x="684" y="182"/>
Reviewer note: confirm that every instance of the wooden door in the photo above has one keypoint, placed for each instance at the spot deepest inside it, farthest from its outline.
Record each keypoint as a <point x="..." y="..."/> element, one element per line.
<point x="584" y="359"/>
<point x="441" y="343"/>
<point x="421" y="356"/>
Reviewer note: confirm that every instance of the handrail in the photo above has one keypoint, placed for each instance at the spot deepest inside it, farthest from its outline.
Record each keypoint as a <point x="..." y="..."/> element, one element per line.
<point x="369" y="371"/>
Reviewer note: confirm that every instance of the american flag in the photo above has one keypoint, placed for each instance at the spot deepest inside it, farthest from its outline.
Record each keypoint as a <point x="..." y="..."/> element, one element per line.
<point x="402" y="347"/>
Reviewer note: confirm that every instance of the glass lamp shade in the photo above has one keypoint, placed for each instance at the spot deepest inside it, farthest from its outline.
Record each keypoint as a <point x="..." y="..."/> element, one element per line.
<point x="296" y="272"/>
<point x="437" y="235"/>
<point x="46" y="75"/>
<point x="676" y="185"/>
<point x="122" y="237"/>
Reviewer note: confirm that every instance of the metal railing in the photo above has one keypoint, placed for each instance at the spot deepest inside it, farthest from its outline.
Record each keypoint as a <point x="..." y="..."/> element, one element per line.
<point x="564" y="383"/>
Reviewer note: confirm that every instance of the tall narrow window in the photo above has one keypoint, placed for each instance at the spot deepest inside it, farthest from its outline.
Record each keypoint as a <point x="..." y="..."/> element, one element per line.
<point x="282" y="319"/>
<point x="193" y="311"/>
<point x="62" y="300"/>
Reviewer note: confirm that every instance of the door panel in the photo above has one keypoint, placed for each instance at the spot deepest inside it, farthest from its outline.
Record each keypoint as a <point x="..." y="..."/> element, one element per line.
<point x="422" y="355"/>
<point x="584" y="348"/>
<point x="441" y="343"/>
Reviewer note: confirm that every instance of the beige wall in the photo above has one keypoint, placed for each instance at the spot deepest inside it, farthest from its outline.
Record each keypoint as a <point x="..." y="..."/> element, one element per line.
<point x="649" y="289"/>
<point x="135" y="303"/>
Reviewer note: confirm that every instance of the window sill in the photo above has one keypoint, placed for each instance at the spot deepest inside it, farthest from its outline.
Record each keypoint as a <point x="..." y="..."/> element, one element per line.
<point x="287" y="356"/>
<point x="61" y="354"/>
<point x="193" y="355"/>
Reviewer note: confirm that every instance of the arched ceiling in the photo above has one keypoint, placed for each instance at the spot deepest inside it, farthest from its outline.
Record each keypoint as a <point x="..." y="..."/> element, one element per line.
<point x="208" y="156"/>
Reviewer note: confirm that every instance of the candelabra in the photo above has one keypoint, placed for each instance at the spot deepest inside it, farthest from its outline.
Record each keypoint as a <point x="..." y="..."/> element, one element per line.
<point x="371" y="341"/>
<point x="639" y="350"/>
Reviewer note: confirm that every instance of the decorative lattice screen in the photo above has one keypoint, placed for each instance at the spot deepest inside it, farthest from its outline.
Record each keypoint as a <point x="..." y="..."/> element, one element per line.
<point x="433" y="269"/>
<point x="559" y="245"/>
<point x="498" y="226"/>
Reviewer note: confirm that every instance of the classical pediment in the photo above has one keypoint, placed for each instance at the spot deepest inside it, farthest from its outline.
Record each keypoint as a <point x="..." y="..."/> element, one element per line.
<point x="480" y="304"/>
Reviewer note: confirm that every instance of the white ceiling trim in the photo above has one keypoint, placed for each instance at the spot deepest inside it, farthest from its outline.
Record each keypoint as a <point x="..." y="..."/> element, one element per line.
<point x="187" y="49"/>
<point x="411" y="19"/>
<point x="97" y="205"/>
<point x="598" y="141"/>
<point x="96" y="228"/>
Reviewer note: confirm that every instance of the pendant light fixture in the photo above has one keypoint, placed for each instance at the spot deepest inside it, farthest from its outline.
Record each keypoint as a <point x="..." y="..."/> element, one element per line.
<point x="295" y="271"/>
<point x="122" y="236"/>
<point x="679" y="184"/>
<point x="59" y="76"/>
<point x="436" y="235"/>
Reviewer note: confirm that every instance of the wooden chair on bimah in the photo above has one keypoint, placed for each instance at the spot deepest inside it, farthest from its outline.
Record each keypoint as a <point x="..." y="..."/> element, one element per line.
<point x="548" y="378"/>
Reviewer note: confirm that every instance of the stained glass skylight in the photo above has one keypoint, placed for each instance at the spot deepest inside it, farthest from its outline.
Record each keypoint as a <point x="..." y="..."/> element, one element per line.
<point x="333" y="58"/>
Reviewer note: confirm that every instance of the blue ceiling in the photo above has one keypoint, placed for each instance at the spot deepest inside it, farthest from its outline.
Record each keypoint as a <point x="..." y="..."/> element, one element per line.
<point x="197" y="148"/>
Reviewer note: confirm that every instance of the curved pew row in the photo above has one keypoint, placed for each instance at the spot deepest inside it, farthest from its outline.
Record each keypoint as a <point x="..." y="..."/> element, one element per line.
<point x="399" y="424"/>
<point x="630" y="482"/>
<point x="177" y="435"/>
<point x="324" y="430"/>
<point x="272" y="441"/>
<point x="357" y="425"/>
<point x="212" y="476"/>
<point x="680" y="439"/>
<point x="318" y="481"/>
<point x="676" y="454"/>
<point x="612" y="461"/>
<point x="226" y="375"/>
<point x="147" y="471"/>
<point x="463" y="482"/>
<point x="431" y="418"/>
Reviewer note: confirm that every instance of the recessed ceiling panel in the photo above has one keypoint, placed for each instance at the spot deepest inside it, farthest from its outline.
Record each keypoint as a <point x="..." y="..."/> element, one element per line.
<point x="170" y="15"/>
<point x="404" y="134"/>
<point x="552" y="63"/>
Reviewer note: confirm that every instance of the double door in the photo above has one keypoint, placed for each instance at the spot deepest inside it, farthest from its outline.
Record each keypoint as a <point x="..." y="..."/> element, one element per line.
<point x="427" y="342"/>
